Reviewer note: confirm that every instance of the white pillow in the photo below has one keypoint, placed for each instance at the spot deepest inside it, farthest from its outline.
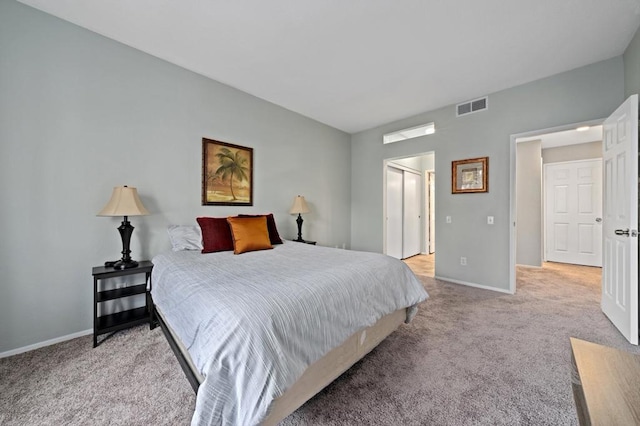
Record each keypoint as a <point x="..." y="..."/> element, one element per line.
<point x="185" y="237"/>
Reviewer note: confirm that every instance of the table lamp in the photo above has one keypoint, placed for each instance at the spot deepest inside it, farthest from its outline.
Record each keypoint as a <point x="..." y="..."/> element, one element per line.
<point x="300" y="207"/>
<point x="124" y="202"/>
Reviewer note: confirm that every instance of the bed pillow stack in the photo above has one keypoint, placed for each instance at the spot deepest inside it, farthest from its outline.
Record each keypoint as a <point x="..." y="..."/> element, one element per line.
<point x="217" y="234"/>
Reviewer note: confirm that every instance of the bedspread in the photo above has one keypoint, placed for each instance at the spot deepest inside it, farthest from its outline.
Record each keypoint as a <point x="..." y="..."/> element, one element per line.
<point x="254" y="322"/>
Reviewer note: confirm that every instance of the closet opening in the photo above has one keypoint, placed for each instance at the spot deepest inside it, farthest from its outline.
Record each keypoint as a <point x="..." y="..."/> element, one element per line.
<point x="409" y="209"/>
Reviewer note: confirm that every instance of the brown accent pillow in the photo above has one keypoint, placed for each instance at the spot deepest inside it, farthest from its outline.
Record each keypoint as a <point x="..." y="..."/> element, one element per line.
<point x="249" y="234"/>
<point x="216" y="234"/>
<point x="274" y="237"/>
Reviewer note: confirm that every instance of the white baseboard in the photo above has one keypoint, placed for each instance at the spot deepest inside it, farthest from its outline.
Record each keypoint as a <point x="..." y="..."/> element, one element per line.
<point x="529" y="266"/>
<point x="45" y="343"/>
<point x="469" y="284"/>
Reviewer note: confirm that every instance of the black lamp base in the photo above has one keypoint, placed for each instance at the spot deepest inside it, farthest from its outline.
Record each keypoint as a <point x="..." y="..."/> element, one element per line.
<point x="126" y="262"/>
<point x="121" y="264"/>
<point x="299" y="222"/>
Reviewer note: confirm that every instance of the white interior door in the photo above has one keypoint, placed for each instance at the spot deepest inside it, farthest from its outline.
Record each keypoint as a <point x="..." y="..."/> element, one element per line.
<point x="573" y="212"/>
<point x="620" y="263"/>
<point x="411" y="226"/>
<point x="432" y="212"/>
<point x="394" y="212"/>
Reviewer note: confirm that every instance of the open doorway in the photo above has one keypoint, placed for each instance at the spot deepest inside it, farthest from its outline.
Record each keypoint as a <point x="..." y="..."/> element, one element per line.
<point x="555" y="209"/>
<point x="409" y="209"/>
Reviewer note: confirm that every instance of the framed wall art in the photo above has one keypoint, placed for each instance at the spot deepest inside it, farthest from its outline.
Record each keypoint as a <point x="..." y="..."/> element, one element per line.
<point x="227" y="174"/>
<point x="470" y="175"/>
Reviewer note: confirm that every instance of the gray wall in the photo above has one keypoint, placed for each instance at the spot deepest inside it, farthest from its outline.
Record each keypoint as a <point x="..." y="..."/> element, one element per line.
<point x="586" y="93"/>
<point x="529" y="203"/>
<point x="581" y="151"/>
<point x="632" y="66"/>
<point x="80" y="114"/>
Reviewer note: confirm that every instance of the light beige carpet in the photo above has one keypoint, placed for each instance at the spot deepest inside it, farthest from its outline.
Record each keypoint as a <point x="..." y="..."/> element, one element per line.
<point x="470" y="357"/>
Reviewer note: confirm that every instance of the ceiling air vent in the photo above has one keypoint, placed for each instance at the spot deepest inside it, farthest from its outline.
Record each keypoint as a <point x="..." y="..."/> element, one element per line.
<point x="472" y="106"/>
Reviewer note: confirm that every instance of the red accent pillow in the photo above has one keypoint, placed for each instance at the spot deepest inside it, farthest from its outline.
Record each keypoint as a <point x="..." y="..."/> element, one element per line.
<point x="216" y="234"/>
<point x="271" y="226"/>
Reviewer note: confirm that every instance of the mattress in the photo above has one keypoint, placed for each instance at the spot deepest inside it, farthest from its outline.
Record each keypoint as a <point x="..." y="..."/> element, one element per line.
<point x="253" y="323"/>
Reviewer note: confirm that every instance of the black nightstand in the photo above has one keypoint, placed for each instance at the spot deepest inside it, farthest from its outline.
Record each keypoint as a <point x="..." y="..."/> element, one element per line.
<point x="123" y="319"/>
<point x="313" y="243"/>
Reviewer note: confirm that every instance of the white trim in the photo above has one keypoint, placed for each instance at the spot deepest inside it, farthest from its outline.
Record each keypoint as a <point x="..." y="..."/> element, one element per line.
<point x="468" y="284"/>
<point x="532" y="266"/>
<point x="45" y="343"/>
<point x="390" y="163"/>
<point x="572" y="161"/>
<point x="385" y="165"/>
<point x="512" y="214"/>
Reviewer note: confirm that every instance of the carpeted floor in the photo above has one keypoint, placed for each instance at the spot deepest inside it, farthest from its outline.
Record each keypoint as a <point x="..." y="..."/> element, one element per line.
<point x="470" y="357"/>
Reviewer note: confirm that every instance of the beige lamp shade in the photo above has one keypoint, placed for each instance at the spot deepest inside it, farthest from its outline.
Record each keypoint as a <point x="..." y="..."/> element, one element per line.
<point x="299" y="206"/>
<point x="124" y="202"/>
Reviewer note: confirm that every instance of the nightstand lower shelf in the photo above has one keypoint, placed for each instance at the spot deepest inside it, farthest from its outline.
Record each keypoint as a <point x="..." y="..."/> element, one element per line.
<point x="122" y="320"/>
<point x="117" y="293"/>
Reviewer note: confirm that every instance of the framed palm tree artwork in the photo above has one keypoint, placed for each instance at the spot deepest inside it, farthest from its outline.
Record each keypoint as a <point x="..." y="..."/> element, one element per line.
<point x="227" y="174"/>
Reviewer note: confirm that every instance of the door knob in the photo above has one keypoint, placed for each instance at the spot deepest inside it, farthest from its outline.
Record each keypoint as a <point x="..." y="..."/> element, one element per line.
<point x="598" y="219"/>
<point x="622" y="232"/>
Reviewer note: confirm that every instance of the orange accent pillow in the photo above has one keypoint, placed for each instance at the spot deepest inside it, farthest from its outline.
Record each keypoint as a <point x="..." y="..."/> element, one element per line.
<point x="249" y="234"/>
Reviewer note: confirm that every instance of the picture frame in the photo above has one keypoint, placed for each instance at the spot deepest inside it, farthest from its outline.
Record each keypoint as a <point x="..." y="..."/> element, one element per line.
<point x="227" y="174"/>
<point x="469" y="176"/>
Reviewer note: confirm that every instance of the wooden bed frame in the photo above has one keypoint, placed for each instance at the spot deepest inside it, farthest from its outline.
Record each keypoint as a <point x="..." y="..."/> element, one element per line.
<point x="315" y="378"/>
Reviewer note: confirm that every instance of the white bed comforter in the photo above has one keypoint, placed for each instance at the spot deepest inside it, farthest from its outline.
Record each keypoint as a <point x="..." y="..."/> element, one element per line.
<point x="254" y="322"/>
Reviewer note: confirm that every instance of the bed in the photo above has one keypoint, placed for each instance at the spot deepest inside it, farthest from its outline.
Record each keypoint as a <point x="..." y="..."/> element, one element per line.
<point x="260" y="333"/>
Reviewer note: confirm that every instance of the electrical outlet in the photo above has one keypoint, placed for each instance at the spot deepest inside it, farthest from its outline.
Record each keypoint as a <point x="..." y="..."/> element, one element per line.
<point x="490" y="220"/>
<point x="448" y="219"/>
<point x="463" y="261"/>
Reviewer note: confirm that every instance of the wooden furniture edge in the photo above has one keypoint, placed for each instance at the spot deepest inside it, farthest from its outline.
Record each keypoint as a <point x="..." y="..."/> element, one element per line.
<point x="605" y="380"/>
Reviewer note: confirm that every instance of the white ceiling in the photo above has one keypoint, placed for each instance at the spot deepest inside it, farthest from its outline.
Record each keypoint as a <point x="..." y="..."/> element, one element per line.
<point x="357" y="64"/>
